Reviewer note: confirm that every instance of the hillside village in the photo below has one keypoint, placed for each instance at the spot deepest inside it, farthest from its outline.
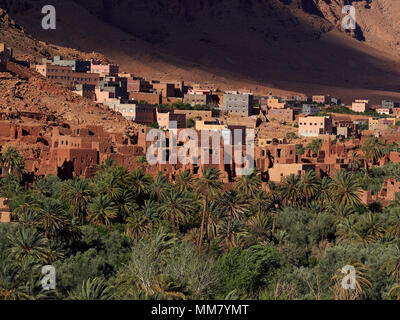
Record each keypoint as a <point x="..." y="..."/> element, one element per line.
<point x="293" y="134"/>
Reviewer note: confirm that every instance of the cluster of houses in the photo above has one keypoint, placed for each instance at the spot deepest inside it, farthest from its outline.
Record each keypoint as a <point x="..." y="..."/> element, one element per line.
<point x="138" y="100"/>
<point x="76" y="150"/>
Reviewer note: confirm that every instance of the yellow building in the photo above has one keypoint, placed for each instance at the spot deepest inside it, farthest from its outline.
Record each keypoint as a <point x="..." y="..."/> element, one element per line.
<point x="381" y="123"/>
<point x="266" y="141"/>
<point x="209" y="125"/>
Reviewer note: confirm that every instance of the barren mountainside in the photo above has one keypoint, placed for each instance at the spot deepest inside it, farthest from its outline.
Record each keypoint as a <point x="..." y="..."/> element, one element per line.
<point x="293" y="45"/>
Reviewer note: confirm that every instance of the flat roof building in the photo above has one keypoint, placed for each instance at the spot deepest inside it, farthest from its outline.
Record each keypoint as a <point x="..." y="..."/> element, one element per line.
<point x="238" y="104"/>
<point x="315" y="126"/>
<point x="310" y="109"/>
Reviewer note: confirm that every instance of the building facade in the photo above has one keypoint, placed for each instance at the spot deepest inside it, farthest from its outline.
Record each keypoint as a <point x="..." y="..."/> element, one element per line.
<point x="360" y="106"/>
<point x="310" y="109"/>
<point x="103" y="69"/>
<point x="315" y="126"/>
<point x="281" y="114"/>
<point x="238" y="104"/>
<point x="76" y="65"/>
<point x="65" y="75"/>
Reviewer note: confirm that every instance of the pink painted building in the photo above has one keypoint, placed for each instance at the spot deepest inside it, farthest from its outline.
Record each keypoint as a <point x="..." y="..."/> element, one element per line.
<point x="360" y="106"/>
<point x="315" y="126"/>
<point x="103" y="69"/>
<point x="65" y="75"/>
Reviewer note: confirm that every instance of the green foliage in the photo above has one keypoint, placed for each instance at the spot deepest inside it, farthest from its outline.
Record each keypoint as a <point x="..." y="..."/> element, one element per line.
<point x="315" y="145"/>
<point x="247" y="271"/>
<point x="128" y="235"/>
<point x="299" y="150"/>
<point x="154" y="125"/>
<point x="190" y="123"/>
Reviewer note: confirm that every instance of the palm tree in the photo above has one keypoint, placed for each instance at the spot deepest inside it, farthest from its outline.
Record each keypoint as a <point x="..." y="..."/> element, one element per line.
<point x="291" y="136"/>
<point x="176" y="205"/>
<point x="261" y="201"/>
<point x="13" y="162"/>
<point x="107" y="184"/>
<point x="77" y="193"/>
<point x="102" y="211"/>
<point x="369" y="229"/>
<point x="345" y="229"/>
<point x="106" y="164"/>
<point x="125" y="204"/>
<point x="392" y="266"/>
<point x="274" y="194"/>
<point x="137" y="225"/>
<point x="260" y="226"/>
<point x="355" y="162"/>
<point x="143" y="163"/>
<point x="52" y="219"/>
<point x="27" y="217"/>
<point x="290" y="190"/>
<point x="150" y="209"/>
<point x="185" y="181"/>
<point x="315" y="146"/>
<point x="27" y="243"/>
<point x="373" y="149"/>
<point x="309" y="185"/>
<point x="209" y="185"/>
<point x="234" y="205"/>
<point x="345" y="189"/>
<point x="92" y="289"/>
<point x="214" y="214"/>
<point x="249" y="184"/>
<point x="362" y="284"/>
<point x="139" y="182"/>
<point x="159" y="188"/>
<point x="10" y="286"/>
<point x="324" y="193"/>
<point x="394" y="292"/>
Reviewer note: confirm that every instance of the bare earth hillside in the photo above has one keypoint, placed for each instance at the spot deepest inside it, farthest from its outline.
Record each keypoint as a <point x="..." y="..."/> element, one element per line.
<point x="266" y="45"/>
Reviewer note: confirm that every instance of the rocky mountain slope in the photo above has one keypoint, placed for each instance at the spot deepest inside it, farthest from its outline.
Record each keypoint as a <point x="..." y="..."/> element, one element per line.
<point x="266" y="45"/>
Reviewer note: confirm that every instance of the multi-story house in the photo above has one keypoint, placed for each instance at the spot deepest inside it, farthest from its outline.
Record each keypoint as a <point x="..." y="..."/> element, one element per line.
<point x="310" y="109"/>
<point x="238" y="104"/>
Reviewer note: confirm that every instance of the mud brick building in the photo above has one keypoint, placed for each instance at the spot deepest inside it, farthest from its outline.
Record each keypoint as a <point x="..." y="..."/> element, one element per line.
<point x="201" y="99"/>
<point x="76" y="65"/>
<point x="238" y="104"/>
<point x="310" y="109"/>
<point x="360" y="106"/>
<point x="65" y="75"/>
<point x="321" y="99"/>
<point x="281" y="114"/>
<point x="164" y="88"/>
<point x="5" y="55"/>
<point x="150" y="98"/>
<point x="315" y="126"/>
<point x="103" y="69"/>
<point x="117" y="86"/>
<point x="135" y="84"/>
<point x="139" y="113"/>
<point x="166" y="119"/>
<point x="86" y="90"/>
<point x="195" y="114"/>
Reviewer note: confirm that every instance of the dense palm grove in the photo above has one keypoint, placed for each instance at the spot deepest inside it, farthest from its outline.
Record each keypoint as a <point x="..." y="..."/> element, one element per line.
<point x="127" y="235"/>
